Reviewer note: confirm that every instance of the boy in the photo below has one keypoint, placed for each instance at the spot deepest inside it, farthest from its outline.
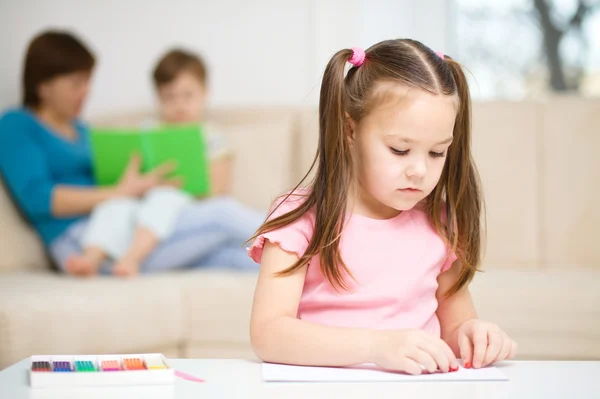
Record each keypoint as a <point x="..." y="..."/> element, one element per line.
<point x="180" y="80"/>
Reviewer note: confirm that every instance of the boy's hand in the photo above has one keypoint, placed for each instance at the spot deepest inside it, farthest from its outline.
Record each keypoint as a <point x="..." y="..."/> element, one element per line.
<point x="482" y="343"/>
<point x="134" y="183"/>
<point x="176" y="182"/>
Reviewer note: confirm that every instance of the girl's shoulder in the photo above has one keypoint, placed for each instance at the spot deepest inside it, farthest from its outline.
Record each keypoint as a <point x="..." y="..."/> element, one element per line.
<point x="293" y="236"/>
<point x="289" y="201"/>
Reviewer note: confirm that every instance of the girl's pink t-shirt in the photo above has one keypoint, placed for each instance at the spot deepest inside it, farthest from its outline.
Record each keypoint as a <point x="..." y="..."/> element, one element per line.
<point x="395" y="264"/>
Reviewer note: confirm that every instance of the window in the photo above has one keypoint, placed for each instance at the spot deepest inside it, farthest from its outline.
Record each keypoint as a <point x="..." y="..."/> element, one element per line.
<point x="529" y="48"/>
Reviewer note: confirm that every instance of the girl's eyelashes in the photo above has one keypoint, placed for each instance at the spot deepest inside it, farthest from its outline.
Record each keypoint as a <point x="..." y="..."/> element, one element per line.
<point x="437" y="154"/>
<point x="398" y="152"/>
<point x="433" y="154"/>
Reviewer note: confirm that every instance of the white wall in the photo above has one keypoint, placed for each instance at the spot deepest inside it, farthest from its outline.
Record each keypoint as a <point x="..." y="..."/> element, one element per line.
<point x="260" y="52"/>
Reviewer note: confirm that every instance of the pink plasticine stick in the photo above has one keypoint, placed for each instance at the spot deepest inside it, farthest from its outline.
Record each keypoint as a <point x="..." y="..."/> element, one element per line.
<point x="188" y="377"/>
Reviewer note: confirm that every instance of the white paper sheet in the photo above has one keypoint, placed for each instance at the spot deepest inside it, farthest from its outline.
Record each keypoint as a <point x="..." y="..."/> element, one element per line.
<point x="368" y="373"/>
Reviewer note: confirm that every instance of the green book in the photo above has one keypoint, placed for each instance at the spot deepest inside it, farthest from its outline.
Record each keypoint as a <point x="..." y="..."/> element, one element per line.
<point x="112" y="149"/>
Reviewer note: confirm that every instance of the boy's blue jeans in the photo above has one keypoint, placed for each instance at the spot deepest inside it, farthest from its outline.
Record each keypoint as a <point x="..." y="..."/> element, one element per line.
<point x="208" y="233"/>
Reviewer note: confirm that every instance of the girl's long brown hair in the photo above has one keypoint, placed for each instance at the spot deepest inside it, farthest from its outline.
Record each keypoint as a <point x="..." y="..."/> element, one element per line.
<point x="457" y="194"/>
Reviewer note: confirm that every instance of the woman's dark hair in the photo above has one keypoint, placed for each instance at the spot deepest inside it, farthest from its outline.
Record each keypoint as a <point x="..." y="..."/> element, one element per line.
<point x="50" y="54"/>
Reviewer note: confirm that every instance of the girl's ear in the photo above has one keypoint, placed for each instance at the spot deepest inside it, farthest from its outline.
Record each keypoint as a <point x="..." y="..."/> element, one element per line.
<point x="350" y="128"/>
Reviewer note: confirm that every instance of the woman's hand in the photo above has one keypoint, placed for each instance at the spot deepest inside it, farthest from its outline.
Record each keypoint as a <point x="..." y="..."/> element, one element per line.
<point x="134" y="183"/>
<point x="482" y="343"/>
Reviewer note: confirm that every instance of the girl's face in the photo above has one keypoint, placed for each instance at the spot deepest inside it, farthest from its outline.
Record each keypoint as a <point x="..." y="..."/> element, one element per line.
<point x="400" y="149"/>
<point x="65" y="95"/>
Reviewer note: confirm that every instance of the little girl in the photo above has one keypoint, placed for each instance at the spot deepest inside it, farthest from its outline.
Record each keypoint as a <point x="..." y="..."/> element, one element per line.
<point x="371" y="263"/>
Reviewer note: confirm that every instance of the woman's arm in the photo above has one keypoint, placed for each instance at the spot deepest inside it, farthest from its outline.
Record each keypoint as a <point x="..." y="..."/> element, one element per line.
<point x="26" y="174"/>
<point x="277" y="335"/>
<point x="24" y="169"/>
<point x="71" y="201"/>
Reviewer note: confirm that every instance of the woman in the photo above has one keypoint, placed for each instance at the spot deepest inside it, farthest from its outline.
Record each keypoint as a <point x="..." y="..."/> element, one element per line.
<point x="46" y="165"/>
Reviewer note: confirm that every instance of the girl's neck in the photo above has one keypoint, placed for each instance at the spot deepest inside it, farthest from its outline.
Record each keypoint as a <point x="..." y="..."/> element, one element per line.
<point x="362" y="203"/>
<point x="61" y="125"/>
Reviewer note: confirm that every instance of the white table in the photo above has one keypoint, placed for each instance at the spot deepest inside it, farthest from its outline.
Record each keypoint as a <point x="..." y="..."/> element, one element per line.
<point x="243" y="379"/>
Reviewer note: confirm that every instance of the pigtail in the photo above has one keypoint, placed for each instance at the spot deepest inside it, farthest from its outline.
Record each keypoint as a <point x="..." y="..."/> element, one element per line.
<point x="334" y="171"/>
<point x="460" y="181"/>
<point x="328" y="192"/>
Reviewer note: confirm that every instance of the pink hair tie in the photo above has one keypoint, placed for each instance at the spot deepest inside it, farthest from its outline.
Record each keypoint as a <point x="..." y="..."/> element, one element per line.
<point x="358" y="56"/>
<point x="440" y="54"/>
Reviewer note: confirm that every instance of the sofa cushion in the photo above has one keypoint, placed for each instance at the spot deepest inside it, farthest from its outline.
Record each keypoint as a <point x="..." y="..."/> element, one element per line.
<point x="262" y="144"/>
<point x="20" y="246"/>
<point x="48" y="313"/>
<point x="552" y="314"/>
<point x="570" y="214"/>
<point x="307" y="138"/>
<point x="218" y="307"/>
<point x="512" y="219"/>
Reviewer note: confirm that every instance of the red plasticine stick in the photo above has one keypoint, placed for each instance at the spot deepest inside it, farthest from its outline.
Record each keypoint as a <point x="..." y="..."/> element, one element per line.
<point x="188" y="377"/>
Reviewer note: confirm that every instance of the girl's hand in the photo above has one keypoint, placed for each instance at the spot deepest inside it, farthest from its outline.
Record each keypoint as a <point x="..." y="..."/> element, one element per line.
<point x="408" y="350"/>
<point x="482" y="343"/>
<point x="134" y="183"/>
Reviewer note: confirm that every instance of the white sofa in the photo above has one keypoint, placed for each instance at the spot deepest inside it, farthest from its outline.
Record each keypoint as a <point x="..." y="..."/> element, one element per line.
<point x="541" y="271"/>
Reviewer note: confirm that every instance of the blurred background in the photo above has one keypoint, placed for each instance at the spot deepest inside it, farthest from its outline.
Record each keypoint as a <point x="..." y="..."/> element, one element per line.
<point x="259" y="52"/>
<point x="272" y="52"/>
<point x="534" y="70"/>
